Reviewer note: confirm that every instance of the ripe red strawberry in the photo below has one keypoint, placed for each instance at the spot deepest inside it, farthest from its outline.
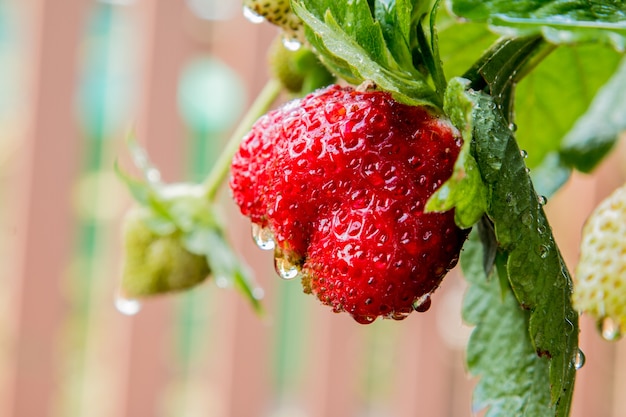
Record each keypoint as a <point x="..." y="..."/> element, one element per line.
<point x="340" y="178"/>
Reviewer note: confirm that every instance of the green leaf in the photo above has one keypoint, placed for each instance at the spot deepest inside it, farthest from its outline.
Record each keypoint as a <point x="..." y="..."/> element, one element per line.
<point x="225" y="265"/>
<point x="558" y="21"/>
<point x="461" y="44"/>
<point x="514" y="381"/>
<point x="595" y="133"/>
<point x="180" y="218"/>
<point x="357" y="45"/>
<point x="464" y="191"/>
<point x="536" y="271"/>
<point x="550" y="99"/>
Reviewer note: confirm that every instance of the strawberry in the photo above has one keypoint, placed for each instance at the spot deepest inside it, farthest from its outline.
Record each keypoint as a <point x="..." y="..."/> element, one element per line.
<point x="600" y="279"/>
<point x="157" y="263"/>
<point x="279" y="13"/>
<point x="340" y="179"/>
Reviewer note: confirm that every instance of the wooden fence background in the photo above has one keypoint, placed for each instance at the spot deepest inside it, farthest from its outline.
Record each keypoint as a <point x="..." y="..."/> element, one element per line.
<point x="74" y="76"/>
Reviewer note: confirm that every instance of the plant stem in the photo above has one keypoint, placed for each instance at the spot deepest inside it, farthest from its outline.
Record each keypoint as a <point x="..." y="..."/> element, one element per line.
<point x="260" y="106"/>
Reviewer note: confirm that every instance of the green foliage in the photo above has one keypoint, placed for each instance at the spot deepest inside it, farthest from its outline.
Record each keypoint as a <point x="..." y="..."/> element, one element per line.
<point x="558" y="21"/>
<point x="464" y="190"/>
<point x="535" y="268"/>
<point x="595" y="133"/>
<point x="379" y="43"/>
<point x="179" y="218"/>
<point x="556" y="93"/>
<point x="513" y="379"/>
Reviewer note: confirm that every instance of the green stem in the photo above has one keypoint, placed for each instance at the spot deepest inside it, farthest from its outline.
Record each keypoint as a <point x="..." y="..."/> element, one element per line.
<point x="221" y="168"/>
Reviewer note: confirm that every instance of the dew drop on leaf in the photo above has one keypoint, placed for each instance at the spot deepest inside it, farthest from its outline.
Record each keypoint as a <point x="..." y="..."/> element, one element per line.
<point x="544" y="251"/>
<point x="609" y="329"/>
<point x="527" y="218"/>
<point x="263" y="237"/>
<point x="127" y="306"/>
<point x="513" y="128"/>
<point x="252" y="16"/>
<point x="542" y="200"/>
<point x="579" y="359"/>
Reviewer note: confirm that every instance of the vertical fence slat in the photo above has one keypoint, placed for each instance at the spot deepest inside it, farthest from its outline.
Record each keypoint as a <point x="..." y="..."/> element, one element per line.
<point x="164" y="50"/>
<point x="44" y="226"/>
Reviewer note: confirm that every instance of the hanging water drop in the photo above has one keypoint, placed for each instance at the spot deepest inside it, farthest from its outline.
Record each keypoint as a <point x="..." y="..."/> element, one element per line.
<point x="221" y="282"/>
<point x="523" y="153"/>
<point x="286" y="269"/>
<point x="263" y="237"/>
<point x="544" y="251"/>
<point x="291" y="44"/>
<point x="542" y="200"/>
<point x="609" y="329"/>
<point x="153" y="175"/>
<point x="578" y="360"/>
<point x="127" y="306"/>
<point x="512" y="127"/>
<point x="252" y="16"/>
<point x="422" y="304"/>
<point x="258" y="293"/>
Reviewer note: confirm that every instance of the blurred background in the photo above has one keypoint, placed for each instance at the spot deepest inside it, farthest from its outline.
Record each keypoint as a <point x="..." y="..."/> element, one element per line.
<point x="75" y="77"/>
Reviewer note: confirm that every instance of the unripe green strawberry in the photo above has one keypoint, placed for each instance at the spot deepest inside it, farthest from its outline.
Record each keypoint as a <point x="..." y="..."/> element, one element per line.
<point x="298" y="71"/>
<point x="279" y="13"/>
<point x="600" y="281"/>
<point x="156" y="264"/>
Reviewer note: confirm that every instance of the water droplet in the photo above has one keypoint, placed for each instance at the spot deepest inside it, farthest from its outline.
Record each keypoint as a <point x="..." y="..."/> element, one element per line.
<point x="291" y="43"/>
<point x="285" y="269"/>
<point x="221" y="282"/>
<point x="541" y="229"/>
<point x="609" y="329"/>
<point x="263" y="237"/>
<point x="153" y="175"/>
<point x="512" y="127"/>
<point x="252" y="16"/>
<point x="422" y="304"/>
<point x="542" y="200"/>
<point x="527" y="218"/>
<point x="579" y="359"/>
<point x="400" y="315"/>
<point x="544" y="251"/>
<point x="364" y="319"/>
<point x="523" y="153"/>
<point x="527" y="170"/>
<point x="258" y="293"/>
<point x="127" y="306"/>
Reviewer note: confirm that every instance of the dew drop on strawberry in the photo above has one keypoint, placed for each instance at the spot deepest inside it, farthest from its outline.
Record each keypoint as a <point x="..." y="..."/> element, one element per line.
<point x="263" y="237"/>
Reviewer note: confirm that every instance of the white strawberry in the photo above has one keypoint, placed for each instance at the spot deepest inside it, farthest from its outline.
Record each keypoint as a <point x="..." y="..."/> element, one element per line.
<point x="600" y="279"/>
<point x="280" y="14"/>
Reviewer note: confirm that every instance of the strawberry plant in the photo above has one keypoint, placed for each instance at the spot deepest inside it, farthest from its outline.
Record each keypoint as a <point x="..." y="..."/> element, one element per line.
<point x="450" y="127"/>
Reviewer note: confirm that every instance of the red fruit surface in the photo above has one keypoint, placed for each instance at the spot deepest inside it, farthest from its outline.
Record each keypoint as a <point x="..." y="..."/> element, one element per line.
<point x="341" y="178"/>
